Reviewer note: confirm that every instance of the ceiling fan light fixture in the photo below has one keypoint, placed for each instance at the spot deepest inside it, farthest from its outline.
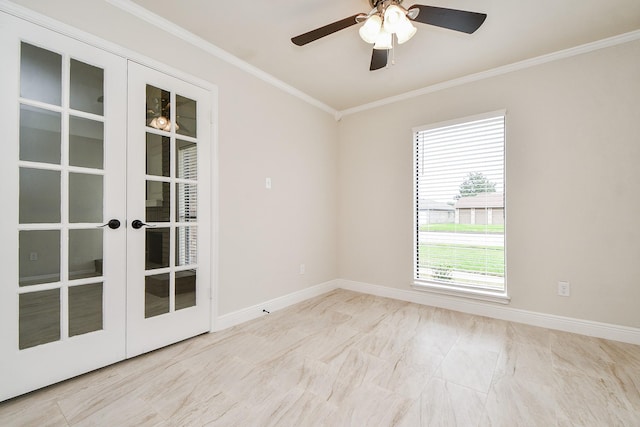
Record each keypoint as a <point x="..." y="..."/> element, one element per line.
<point x="384" y="40"/>
<point x="160" y="122"/>
<point x="371" y="29"/>
<point x="405" y="31"/>
<point x="394" y="17"/>
<point x="388" y="17"/>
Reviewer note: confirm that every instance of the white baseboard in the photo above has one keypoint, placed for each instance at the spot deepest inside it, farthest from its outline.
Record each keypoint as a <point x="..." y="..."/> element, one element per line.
<point x="480" y="308"/>
<point x="243" y="315"/>
<point x="499" y="311"/>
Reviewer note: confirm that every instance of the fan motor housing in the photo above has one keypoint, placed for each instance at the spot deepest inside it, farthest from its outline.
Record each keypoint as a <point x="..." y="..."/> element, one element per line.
<point x="381" y="3"/>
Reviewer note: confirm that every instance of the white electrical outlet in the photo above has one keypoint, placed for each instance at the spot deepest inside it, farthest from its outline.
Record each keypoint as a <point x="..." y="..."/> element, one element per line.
<point x="302" y="268"/>
<point x="564" y="289"/>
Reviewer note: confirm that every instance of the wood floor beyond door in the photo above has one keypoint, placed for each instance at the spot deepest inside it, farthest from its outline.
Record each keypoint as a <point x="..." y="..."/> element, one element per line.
<point x="349" y="359"/>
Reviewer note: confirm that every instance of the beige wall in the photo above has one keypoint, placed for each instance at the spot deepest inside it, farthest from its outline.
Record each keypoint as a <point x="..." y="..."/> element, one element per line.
<point x="263" y="132"/>
<point x="341" y="200"/>
<point x="572" y="171"/>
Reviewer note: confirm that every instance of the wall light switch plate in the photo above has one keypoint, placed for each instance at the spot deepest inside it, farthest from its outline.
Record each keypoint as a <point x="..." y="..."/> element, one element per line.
<point x="564" y="289"/>
<point x="267" y="183"/>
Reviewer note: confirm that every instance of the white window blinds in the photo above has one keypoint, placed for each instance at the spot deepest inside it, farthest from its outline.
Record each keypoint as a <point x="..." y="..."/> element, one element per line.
<point x="459" y="203"/>
<point x="187" y="168"/>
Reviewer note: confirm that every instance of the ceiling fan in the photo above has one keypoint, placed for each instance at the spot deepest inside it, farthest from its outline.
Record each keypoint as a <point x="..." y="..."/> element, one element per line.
<point x="387" y="18"/>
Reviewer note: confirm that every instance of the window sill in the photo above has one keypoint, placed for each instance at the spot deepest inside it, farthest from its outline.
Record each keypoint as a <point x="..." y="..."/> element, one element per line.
<point x="477" y="294"/>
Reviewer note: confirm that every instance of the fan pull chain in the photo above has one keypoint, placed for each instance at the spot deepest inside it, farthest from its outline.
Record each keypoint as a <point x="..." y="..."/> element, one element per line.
<point x="393" y="50"/>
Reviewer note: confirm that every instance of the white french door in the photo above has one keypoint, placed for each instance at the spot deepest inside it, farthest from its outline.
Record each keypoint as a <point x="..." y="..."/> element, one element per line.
<point x="82" y="285"/>
<point x="62" y="297"/>
<point x="169" y="210"/>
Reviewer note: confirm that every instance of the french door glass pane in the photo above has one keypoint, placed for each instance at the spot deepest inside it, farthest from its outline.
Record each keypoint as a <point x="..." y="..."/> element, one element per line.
<point x="186" y="246"/>
<point x="185" y="295"/>
<point x="85" y="253"/>
<point x="156" y="248"/>
<point x="39" y="256"/>
<point x="85" y="197"/>
<point x="186" y="116"/>
<point x="158" y="108"/>
<point x="186" y="160"/>
<point x="87" y="88"/>
<point x="39" y="135"/>
<point x="86" y="143"/>
<point x="156" y="292"/>
<point x="158" y="201"/>
<point x="85" y="309"/>
<point x="39" y="200"/>
<point x="39" y="318"/>
<point x="187" y="202"/>
<point x="158" y="162"/>
<point x="40" y="74"/>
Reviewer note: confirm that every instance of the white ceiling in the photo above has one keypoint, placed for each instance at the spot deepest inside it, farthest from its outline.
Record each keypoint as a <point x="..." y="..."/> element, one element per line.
<point x="335" y="70"/>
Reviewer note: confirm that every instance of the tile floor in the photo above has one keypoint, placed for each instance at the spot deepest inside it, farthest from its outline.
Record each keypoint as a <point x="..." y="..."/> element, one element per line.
<point x="349" y="359"/>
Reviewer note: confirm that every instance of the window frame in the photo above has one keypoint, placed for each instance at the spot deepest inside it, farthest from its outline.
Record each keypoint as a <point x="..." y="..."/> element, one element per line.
<point x="453" y="289"/>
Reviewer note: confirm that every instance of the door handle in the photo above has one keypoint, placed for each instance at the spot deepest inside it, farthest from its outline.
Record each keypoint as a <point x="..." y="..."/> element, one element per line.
<point x="137" y="224"/>
<point x="113" y="224"/>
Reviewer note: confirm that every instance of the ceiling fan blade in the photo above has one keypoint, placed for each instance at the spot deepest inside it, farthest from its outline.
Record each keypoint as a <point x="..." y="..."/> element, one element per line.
<point x="379" y="59"/>
<point x="318" y="33"/>
<point x="452" y="19"/>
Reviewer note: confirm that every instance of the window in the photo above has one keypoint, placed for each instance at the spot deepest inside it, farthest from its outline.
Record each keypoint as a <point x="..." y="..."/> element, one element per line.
<point x="459" y="205"/>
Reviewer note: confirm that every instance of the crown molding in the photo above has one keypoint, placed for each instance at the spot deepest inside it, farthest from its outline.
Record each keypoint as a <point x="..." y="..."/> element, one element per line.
<point x="179" y="32"/>
<point x="187" y="36"/>
<point x="516" y="66"/>
<point x="67" y="30"/>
